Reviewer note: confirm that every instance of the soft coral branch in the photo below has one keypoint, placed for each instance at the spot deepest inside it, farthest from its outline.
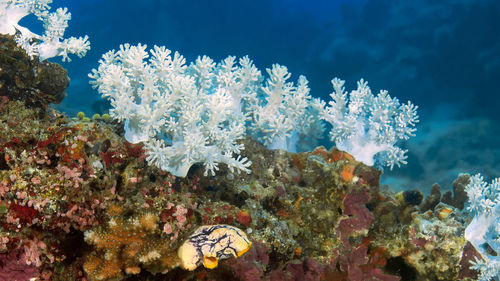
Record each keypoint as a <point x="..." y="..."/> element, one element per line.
<point x="51" y="43"/>
<point x="368" y="126"/>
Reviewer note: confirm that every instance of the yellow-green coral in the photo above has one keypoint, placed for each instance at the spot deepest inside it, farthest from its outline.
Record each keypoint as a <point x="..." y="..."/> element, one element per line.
<point x="80" y="115"/>
<point x="106" y="117"/>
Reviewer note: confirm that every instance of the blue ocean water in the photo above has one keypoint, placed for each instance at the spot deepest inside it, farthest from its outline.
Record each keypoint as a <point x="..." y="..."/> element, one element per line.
<point x="444" y="56"/>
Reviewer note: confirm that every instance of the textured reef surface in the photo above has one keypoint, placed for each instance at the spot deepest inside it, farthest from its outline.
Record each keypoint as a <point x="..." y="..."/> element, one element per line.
<point x="78" y="202"/>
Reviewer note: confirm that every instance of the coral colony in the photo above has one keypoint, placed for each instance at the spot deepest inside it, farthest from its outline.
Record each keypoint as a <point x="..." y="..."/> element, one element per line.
<point x="369" y="127"/>
<point x="51" y="43"/>
<point x="484" y="229"/>
<point x="78" y="202"/>
<point x="198" y="113"/>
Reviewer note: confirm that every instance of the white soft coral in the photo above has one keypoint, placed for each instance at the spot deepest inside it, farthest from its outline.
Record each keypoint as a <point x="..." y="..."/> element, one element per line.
<point x="183" y="114"/>
<point x="368" y="126"/>
<point x="283" y="115"/>
<point x="51" y="43"/>
<point x="484" y="229"/>
<point x="201" y="112"/>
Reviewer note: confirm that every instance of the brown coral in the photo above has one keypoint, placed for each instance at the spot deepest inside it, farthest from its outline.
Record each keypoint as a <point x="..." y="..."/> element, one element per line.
<point x="126" y="245"/>
<point x="22" y="78"/>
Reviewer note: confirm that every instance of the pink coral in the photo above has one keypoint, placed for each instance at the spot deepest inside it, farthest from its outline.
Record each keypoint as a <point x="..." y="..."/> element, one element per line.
<point x="358" y="217"/>
<point x="252" y="265"/>
<point x="13" y="266"/>
<point x="70" y="174"/>
<point x="353" y="262"/>
<point x="358" y="268"/>
<point x="308" y="270"/>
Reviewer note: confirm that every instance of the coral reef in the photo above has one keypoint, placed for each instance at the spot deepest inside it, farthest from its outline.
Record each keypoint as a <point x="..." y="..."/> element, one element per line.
<point x="79" y="202"/>
<point x="75" y="184"/>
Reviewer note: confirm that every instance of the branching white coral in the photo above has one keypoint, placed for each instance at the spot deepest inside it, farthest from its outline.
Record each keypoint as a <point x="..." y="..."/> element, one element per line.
<point x="368" y="126"/>
<point x="183" y="114"/>
<point x="51" y="43"/>
<point x="284" y="114"/>
<point x="199" y="113"/>
<point x="484" y="230"/>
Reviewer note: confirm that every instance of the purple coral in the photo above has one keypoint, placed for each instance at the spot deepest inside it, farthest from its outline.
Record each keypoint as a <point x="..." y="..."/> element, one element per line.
<point x="13" y="266"/>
